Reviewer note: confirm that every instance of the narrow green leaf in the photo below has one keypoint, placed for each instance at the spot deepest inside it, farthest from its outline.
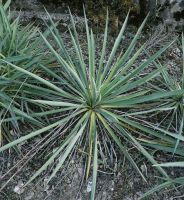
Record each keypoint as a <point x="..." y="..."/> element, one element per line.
<point x="171" y="164"/>
<point x="70" y="146"/>
<point x="57" y="103"/>
<point x="183" y="59"/>
<point x="115" y="47"/>
<point x="95" y="168"/>
<point x="38" y="132"/>
<point x="102" y="58"/>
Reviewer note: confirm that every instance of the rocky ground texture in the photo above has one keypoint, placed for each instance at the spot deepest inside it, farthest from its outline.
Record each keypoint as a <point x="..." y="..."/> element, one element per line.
<point x="171" y="12"/>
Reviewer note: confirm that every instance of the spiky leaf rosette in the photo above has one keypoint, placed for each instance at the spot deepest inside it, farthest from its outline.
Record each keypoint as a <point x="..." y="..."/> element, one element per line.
<point x="171" y="107"/>
<point x="92" y="99"/>
<point x="174" y="106"/>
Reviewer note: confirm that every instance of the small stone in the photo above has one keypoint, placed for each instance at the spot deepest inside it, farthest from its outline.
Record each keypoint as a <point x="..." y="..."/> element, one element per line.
<point x="18" y="188"/>
<point x="118" y="175"/>
<point x="72" y="161"/>
<point x="131" y="184"/>
<point x="80" y="171"/>
<point x="29" y="196"/>
<point x="144" y="169"/>
<point x="137" y="180"/>
<point x="139" y="194"/>
<point x="128" y="198"/>
<point x="9" y="164"/>
<point x="89" y="186"/>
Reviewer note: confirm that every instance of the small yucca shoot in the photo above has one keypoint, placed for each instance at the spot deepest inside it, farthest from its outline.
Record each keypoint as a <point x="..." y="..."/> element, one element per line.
<point x="173" y="108"/>
<point x="93" y="99"/>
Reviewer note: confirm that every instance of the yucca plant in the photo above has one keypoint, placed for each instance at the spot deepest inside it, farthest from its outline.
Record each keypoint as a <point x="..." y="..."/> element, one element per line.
<point x="93" y="101"/>
<point x="14" y="46"/>
<point x="22" y="46"/>
<point x="174" y="122"/>
<point x="10" y="45"/>
<point x="15" y="39"/>
<point x="172" y="107"/>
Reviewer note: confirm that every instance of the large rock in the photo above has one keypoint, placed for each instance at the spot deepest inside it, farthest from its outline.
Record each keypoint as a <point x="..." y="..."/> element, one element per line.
<point x="172" y="13"/>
